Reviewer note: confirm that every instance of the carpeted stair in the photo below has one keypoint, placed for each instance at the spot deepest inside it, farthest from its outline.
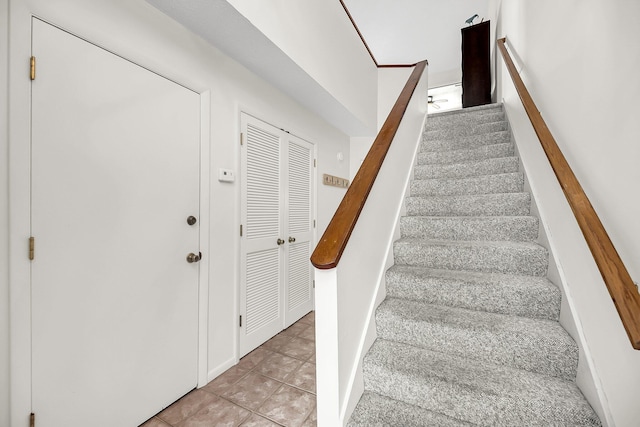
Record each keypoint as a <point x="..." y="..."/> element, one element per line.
<point x="469" y="332"/>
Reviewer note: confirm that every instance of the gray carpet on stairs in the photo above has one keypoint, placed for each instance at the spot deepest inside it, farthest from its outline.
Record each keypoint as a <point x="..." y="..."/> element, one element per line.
<point x="469" y="333"/>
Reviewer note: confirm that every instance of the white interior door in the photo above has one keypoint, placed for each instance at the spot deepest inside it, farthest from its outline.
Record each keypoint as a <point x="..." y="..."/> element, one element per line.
<point x="278" y="232"/>
<point x="115" y="174"/>
<point x="299" y="211"/>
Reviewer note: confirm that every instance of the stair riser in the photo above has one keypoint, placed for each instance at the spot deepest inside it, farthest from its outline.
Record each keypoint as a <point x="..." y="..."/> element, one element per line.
<point x="528" y="260"/>
<point x="430" y="144"/>
<point x="465" y="155"/>
<point x="470" y="169"/>
<point x="436" y="121"/>
<point x="461" y="131"/>
<point x="524" y="296"/>
<point x="488" y="184"/>
<point x="379" y="411"/>
<point x="471" y="404"/>
<point x="521" y="229"/>
<point x="470" y="111"/>
<point x="483" y="204"/>
<point x="544" y="348"/>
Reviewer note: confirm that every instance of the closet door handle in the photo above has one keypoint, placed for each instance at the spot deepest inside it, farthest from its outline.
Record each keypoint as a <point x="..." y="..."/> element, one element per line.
<point x="280" y="242"/>
<point x="292" y="239"/>
<point x="191" y="258"/>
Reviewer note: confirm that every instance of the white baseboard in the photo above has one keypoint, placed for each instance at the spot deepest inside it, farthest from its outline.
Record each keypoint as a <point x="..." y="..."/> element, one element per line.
<point x="220" y="369"/>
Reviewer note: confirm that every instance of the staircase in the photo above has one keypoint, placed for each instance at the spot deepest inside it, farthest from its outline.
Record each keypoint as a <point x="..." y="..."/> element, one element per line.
<point x="469" y="332"/>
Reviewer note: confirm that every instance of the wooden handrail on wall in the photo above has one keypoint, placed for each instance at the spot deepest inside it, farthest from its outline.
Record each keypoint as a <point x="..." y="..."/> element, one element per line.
<point x="334" y="240"/>
<point x="621" y="288"/>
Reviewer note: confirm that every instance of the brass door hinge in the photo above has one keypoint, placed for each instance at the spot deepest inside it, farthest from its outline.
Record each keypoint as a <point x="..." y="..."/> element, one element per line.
<point x="32" y="420"/>
<point x="32" y="248"/>
<point x="314" y="163"/>
<point x="32" y="68"/>
<point x="240" y="230"/>
<point x="241" y="138"/>
<point x="314" y="223"/>
<point x="241" y="321"/>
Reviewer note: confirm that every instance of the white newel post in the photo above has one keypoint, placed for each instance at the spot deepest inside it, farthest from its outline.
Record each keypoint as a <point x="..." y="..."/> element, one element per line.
<point x="327" y="383"/>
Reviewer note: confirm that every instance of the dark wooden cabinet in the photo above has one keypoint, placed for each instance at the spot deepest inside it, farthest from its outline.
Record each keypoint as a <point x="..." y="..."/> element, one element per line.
<point x="476" y="68"/>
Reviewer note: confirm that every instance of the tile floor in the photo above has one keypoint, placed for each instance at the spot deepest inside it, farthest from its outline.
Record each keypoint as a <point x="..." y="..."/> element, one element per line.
<point x="274" y="385"/>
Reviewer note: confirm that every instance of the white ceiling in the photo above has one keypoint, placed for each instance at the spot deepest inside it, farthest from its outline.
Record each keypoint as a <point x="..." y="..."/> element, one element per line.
<point x="408" y="31"/>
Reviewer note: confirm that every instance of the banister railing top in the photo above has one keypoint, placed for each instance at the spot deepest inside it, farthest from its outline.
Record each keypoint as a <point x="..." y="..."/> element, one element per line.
<point x="619" y="283"/>
<point x="329" y="250"/>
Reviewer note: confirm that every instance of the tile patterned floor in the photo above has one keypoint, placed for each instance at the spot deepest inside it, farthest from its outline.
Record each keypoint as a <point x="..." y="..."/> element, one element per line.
<point x="274" y="385"/>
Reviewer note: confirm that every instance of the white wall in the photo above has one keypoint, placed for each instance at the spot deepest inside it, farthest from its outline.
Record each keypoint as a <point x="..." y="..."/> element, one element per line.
<point x="141" y="33"/>
<point x="325" y="45"/>
<point x="579" y="60"/>
<point x="4" y="219"/>
<point x="445" y="78"/>
<point x="391" y="81"/>
<point x="329" y="163"/>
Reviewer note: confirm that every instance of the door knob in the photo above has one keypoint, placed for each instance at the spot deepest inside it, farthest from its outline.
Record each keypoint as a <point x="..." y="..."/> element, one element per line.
<point x="191" y="220"/>
<point x="280" y="242"/>
<point x="292" y="239"/>
<point x="193" y="257"/>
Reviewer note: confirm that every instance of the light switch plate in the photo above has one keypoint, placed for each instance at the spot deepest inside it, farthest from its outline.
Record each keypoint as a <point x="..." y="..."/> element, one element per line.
<point x="334" y="181"/>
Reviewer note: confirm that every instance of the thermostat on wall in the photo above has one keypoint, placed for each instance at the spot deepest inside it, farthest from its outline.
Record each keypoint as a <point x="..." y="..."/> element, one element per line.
<point x="226" y="175"/>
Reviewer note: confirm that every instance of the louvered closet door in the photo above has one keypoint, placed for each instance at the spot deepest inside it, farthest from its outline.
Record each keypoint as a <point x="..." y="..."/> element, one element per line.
<point x="299" y="229"/>
<point x="277" y="219"/>
<point x="261" y="268"/>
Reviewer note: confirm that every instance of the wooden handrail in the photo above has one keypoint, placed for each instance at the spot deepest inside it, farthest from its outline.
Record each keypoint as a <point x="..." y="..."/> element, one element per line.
<point x="621" y="288"/>
<point x="330" y="247"/>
